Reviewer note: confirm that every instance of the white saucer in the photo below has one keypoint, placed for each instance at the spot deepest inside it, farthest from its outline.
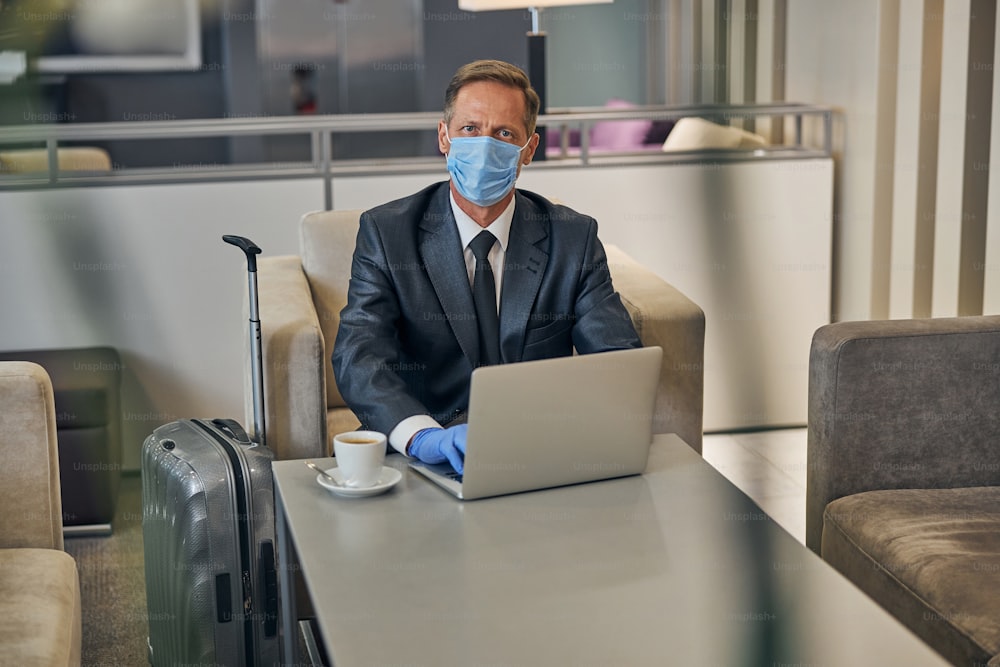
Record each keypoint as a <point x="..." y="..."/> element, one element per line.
<point x="386" y="480"/>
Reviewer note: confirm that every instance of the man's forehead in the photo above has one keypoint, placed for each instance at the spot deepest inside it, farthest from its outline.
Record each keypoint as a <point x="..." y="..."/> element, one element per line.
<point x="494" y="101"/>
<point x="475" y="91"/>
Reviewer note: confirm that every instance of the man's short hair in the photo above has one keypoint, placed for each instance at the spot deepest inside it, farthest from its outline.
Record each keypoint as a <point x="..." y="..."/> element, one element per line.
<point x="501" y="72"/>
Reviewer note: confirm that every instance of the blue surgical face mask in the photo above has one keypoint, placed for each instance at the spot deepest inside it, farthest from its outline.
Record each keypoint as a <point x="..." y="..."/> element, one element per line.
<point x="483" y="168"/>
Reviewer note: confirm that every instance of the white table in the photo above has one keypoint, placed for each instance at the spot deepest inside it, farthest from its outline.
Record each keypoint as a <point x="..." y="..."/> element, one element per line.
<point x="673" y="567"/>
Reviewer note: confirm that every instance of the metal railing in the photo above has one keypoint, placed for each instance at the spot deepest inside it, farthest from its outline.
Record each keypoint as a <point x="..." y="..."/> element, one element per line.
<point x="794" y="141"/>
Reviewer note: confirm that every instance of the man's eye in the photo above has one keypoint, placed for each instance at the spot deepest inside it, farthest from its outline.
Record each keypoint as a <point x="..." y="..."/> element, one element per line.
<point x="469" y="129"/>
<point x="506" y="134"/>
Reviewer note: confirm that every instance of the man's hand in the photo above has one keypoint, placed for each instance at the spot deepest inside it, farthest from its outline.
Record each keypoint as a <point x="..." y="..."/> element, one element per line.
<point x="437" y="445"/>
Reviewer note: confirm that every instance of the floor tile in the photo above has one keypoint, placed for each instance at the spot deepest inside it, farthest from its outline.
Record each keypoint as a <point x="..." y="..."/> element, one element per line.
<point x="783" y="448"/>
<point x="769" y="466"/>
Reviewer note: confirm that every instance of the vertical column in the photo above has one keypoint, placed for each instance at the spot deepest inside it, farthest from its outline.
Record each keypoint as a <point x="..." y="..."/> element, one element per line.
<point x="769" y="73"/>
<point x="975" y="191"/>
<point x="706" y="51"/>
<point x="658" y="52"/>
<point x="734" y="28"/>
<point x="778" y="61"/>
<point x="991" y="264"/>
<point x="538" y="77"/>
<point x="695" y="54"/>
<point x="927" y="158"/>
<point x="740" y="21"/>
<point x="678" y="63"/>
<point x="713" y="49"/>
<point x="951" y="157"/>
<point x="906" y="174"/>
<point x="721" y="72"/>
<point x="751" y="28"/>
<point x="885" y="147"/>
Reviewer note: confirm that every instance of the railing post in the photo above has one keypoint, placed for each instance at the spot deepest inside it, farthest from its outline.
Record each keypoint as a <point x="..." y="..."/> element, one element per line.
<point x="326" y="139"/>
<point x="828" y="132"/>
<point x="53" y="153"/>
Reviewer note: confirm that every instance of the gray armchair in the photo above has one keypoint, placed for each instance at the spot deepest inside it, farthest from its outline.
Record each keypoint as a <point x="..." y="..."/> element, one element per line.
<point x="903" y="490"/>
<point x="300" y="302"/>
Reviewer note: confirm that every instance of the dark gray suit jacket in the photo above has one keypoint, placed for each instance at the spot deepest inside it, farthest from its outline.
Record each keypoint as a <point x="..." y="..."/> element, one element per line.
<point x="408" y="343"/>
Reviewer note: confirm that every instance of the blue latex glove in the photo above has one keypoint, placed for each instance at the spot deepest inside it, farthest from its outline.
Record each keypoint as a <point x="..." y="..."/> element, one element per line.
<point x="438" y="445"/>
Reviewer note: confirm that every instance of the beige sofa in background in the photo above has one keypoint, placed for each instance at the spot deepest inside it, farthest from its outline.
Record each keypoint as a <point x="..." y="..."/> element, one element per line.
<point x="694" y="134"/>
<point x="36" y="160"/>
<point x="300" y="302"/>
<point x="40" y="612"/>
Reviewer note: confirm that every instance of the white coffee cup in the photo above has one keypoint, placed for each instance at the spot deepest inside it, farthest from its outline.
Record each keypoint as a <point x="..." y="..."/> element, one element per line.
<point x="359" y="457"/>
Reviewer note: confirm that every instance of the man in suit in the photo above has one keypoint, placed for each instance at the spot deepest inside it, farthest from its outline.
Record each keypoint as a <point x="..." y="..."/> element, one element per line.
<point x="432" y="296"/>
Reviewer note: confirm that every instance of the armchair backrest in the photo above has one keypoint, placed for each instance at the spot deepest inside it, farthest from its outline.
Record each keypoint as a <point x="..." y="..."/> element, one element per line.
<point x="30" y="497"/>
<point x="901" y="404"/>
<point x="663" y="316"/>
<point x="326" y="243"/>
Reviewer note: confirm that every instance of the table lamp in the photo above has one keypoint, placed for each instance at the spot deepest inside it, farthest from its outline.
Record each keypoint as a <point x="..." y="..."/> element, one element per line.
<point x="536" y="42"/>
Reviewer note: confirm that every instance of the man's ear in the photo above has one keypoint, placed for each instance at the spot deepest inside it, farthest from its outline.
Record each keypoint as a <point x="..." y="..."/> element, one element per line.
<point x="443" y="143"/>
<point x="529" y="152"/>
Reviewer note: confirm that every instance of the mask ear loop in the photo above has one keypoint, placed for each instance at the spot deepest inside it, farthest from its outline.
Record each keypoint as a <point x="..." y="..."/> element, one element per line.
<point x="523" y="163"/>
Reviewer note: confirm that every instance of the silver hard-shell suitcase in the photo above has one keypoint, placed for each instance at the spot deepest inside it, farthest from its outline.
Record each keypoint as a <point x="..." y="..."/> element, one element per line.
<point x="208" y="532"/>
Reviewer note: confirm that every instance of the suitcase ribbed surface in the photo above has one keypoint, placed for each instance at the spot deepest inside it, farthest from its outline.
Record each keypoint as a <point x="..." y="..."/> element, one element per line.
<point x="195" y="567"/>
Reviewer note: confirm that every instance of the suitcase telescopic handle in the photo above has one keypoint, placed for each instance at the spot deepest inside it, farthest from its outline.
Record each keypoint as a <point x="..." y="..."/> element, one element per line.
<point x="247" y="246"/>
<point x="251" y="250"/>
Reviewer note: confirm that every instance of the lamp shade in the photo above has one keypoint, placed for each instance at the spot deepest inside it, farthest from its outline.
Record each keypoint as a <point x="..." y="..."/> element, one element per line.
<point x="491" y="5"/>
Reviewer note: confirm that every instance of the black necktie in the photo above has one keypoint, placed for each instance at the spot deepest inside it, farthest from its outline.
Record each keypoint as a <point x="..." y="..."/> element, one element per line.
<point x="484" y="295"/>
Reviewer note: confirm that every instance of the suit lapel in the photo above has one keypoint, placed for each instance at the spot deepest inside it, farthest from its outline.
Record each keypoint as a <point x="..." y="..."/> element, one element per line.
<point x="525" y="265"/>
<point x="441" y="250"/>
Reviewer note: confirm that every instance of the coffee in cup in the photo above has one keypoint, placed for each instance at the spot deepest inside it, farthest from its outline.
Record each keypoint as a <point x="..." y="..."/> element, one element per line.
<point x="358" y="441"/>
<point x="359" y="455"/>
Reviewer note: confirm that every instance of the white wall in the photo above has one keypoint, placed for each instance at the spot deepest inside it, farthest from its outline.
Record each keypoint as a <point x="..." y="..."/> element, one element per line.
<point x="748" y="242"/>
<point x="916" y="229"/>
<point x="144" y="269"/>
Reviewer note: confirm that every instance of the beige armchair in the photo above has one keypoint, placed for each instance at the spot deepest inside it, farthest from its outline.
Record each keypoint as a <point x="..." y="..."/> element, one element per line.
<point x="300" y="302"/>
<point x="34" y="160"/>
<point x="40" y="612"/>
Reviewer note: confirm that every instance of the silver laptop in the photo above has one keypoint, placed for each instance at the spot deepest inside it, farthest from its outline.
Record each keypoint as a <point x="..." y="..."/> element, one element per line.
<point x="539" y="424"/>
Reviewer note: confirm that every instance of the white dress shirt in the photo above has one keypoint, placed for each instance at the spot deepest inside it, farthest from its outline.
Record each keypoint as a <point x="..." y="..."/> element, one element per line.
<point x="468" y="229"/>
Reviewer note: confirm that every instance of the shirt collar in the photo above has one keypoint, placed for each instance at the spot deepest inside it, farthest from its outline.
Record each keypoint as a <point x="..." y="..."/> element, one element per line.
<point x="468" y="229"/>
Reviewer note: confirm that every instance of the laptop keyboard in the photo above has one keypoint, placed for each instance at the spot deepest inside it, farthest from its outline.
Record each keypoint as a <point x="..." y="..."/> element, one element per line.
<point x="451" y="474"/>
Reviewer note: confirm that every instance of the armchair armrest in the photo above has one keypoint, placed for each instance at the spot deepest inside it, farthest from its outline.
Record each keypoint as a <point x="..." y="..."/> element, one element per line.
<point x="30" y="496"/>
<point x="664" y="316"/>
<point x="294" y="361"/>
<point x="901" y="404"/>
